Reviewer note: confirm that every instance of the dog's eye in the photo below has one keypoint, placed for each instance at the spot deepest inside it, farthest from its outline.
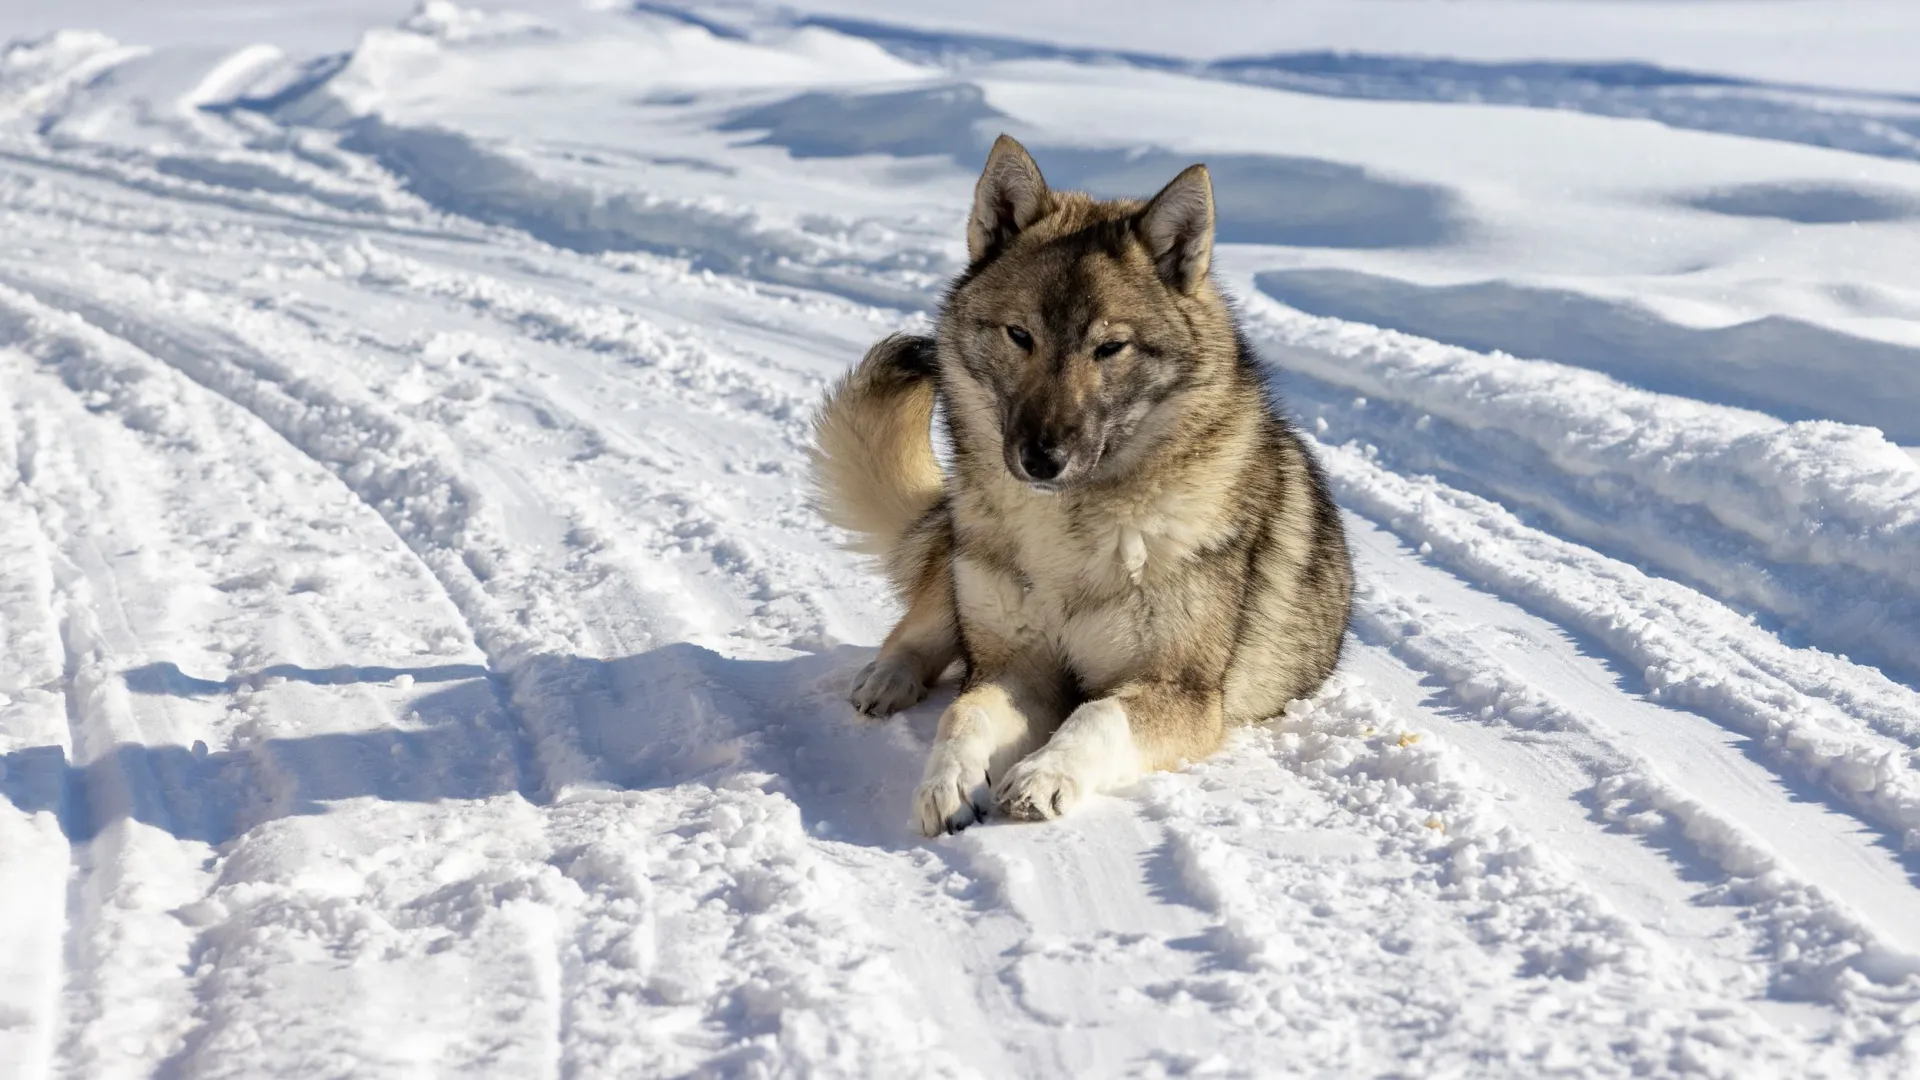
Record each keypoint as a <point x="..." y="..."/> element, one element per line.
<point x="1108" y="349"/>
<point x="1020" y="337"/>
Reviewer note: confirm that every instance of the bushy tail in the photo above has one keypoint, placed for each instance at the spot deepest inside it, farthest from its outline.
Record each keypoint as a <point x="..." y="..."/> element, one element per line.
<point x="874" y="473"/>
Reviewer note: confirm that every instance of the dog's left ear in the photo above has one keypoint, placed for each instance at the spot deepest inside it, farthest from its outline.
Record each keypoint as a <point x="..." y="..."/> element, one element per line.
<point x="1177" y="227"/>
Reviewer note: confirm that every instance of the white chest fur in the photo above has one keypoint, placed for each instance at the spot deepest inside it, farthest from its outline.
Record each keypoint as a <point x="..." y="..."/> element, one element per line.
<point x="1077" y="589"/>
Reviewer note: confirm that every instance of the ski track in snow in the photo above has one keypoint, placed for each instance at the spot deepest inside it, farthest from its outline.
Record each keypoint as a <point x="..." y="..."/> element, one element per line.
<point x="420" y="654"/>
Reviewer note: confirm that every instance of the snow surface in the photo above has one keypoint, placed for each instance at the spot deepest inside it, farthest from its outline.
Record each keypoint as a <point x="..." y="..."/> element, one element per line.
<point x="420" y="659"/>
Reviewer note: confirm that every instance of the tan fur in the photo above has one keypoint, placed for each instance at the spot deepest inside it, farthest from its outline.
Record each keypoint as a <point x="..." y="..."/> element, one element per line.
<point x="1132" y="549"/>
<point x="873" y="466"/>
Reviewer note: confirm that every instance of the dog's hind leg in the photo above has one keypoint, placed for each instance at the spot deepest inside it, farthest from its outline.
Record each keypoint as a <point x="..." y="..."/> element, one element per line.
<point x="1108" y="743"/>
<point x="922" y="645"/>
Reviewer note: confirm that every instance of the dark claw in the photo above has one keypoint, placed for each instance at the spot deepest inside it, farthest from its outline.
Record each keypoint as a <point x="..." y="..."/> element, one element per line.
<point x="859" y="681"/>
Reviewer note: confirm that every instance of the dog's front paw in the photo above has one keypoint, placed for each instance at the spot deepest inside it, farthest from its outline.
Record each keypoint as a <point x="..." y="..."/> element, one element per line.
<point x="885" y="687"/>
<point x="951" y="796"/>
<point x="1041" y="787"/>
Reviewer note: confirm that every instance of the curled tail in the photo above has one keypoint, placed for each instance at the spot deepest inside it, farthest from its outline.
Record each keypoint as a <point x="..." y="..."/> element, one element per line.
<point x="874" y="473"/>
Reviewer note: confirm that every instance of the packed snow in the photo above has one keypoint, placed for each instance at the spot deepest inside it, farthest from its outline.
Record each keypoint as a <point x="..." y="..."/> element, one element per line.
<point x="420" y="657"/>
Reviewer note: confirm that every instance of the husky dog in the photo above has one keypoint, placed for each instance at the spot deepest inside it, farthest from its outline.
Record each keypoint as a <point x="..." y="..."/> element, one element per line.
<point x="1130" y="551"/>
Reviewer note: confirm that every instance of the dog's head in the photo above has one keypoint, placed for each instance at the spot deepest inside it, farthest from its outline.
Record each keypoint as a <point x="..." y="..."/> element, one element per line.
<point x="1079" y="323"/>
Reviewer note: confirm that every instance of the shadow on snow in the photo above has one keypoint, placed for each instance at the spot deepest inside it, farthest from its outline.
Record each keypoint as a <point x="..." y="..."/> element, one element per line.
<point x="1261" y="198"/>
<point x="1791" y="369"/>
<point x="676" y="715"/>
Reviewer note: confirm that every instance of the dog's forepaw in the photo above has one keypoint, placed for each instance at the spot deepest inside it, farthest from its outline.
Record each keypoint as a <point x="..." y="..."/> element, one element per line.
<point x="885" y="687"/>
<point x="1039" y="788"/>
<point x="951" y="797"/>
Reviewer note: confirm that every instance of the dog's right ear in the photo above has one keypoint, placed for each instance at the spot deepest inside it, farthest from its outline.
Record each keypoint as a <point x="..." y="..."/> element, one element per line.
<point x="1010" y="197"/>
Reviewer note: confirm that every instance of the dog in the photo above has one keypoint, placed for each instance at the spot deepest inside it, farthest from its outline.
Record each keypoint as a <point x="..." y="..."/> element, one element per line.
<point x="1130" y="549"/>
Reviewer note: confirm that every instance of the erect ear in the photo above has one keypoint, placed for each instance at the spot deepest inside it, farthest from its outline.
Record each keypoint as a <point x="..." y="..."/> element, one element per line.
<point x="1010" y="197"/>
<point x="1177" y="227"/>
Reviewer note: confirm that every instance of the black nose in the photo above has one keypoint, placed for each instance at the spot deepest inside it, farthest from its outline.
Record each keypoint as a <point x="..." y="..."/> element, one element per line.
<point x="1040" y="461"/>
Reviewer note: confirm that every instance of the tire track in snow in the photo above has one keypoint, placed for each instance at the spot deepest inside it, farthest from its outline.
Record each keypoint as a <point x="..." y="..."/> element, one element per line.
<point x="1693" y="652"/>
<point x="109" y="375"/>
<point x="560" y="683"/>
<point x="1811" y="523"/>
<point x="298" y="415"/>
<point x="36" y="857"/>
<point x="588" y="360"/>
<point x="195" y="231"/>
<point x="120" y="386"/>
<point x="1779" y="890"/>
<point x="1297" y="922"/>
<point x="294" y="213"/>
<point x="560" y="393"/>
<point x="377" y="458"/>
<point x="682" y="363"/>
<point x="126" y="996"/>
<point x="662" y="354"/>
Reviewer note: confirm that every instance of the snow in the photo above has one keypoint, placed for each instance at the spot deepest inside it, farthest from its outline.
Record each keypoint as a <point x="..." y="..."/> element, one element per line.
<point x="1835" y="43"/>
<point x="420" y="656"/>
